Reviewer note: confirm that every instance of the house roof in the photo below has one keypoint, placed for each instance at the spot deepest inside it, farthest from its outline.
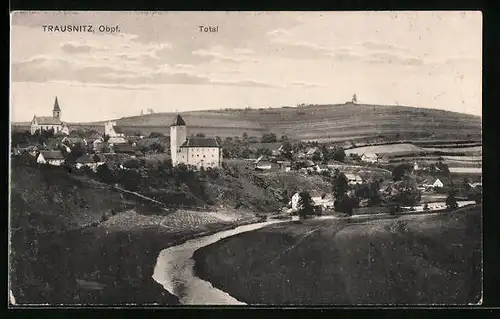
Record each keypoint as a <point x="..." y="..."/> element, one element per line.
<point x="99" y="157"/>
<point x="74" y="140"/>
<point x="119" y="129"/>
<point x="48" y="120"/>
<point x="309" y="163"/>
<point x="56" y="105"/>
<point x="179" y="121"/>
<point x="85" y="159"/>
<point x="351" y="176"/>
<point x="52" y="154"/>
<point x="201" y="142"/>
<point x="124" y="148"/>
<point x="117" y="140"/>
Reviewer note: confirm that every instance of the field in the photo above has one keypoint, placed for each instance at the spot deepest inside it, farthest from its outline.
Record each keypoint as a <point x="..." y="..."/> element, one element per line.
<point x="426" y="259"/>
<point x="323" y="123"/>
<point x="389" y="148"/>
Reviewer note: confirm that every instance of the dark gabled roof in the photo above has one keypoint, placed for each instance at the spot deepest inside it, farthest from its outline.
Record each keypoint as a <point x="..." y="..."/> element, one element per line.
<point x="99" y="157"/>
<point x="48" y="120"/>
<point x="123" y="148"/>
<point x="56" y="105"/>
<point x="52" y="154"/>
<point x="179" y="121"/>
<point x="201" y="142"/>
<point x="119" y="129"/>
<point x="85" y="159"/>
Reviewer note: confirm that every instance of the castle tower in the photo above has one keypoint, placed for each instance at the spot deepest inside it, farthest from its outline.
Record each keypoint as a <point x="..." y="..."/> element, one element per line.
<point x="56" y="112"/>
<point x="178" y="134"/>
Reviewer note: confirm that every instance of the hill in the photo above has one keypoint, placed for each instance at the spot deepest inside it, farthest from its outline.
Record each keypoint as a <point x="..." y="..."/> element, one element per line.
<point x="407" y="260"/>
<point x="58" y="251"/>
<point x="320" y="123"/>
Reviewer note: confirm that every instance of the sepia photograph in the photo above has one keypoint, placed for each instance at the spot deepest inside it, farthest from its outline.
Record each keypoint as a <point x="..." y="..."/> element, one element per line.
<point x="215" y="158"/>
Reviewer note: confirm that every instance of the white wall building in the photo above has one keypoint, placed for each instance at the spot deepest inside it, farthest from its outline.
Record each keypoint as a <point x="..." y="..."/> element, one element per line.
<point x="194" y="151"/>
<point x="55" y="158"/>
<point x="111" y="130"/>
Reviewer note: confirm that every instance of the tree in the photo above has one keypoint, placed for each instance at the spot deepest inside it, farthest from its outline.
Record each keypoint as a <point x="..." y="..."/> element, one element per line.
<point x="403" y="193"/>
<point x="354" y="98"/>
<point x="156" y="134"/>
<point x="200" y="135"/>
<point x="339" y="154"/>
<point x="399" y="171"/>
<point x="306" y="204"/>
<point x="316" y="156"/>
<point x="451" y="200"/>
<point x="443" y="168"/>
<point x="244" y="136"/>
<point x="105" y="174"/>
<point x="268" y="138"/>
<point x="355" y="157"/>
<point x="264" y="151"/>
<point x="284" y="138"/>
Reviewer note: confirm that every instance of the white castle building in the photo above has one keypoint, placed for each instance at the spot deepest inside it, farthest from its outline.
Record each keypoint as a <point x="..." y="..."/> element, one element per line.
<point x="47" y="123"/>
<point x="195" y="151"/>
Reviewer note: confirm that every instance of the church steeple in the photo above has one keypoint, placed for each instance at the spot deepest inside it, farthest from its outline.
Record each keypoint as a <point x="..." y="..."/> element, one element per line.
<point x="56" y="112"/>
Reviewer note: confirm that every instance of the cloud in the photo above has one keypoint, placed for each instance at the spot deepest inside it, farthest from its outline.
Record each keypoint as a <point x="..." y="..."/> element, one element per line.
<point x="388" y="58"/>
<point x="74" y="47"/>
<point x="377" y="46"/>
<point x="301" y="84"/>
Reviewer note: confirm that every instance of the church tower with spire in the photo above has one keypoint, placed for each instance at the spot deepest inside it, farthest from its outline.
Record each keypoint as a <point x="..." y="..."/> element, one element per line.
<point x="56" y="112"/>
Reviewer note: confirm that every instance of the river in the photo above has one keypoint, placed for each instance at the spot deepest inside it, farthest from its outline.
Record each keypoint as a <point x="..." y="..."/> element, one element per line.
<point x="174" y="270"/>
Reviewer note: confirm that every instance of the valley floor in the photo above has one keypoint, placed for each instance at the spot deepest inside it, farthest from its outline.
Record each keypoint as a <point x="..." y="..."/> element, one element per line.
<point x="427" y="259"/>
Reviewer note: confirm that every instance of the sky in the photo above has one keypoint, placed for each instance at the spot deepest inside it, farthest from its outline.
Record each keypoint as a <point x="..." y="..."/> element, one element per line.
<point x="161" y="61"/>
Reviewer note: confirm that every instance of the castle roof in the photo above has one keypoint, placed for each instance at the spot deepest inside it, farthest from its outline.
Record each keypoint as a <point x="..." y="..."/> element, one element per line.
<point x="179" y="121"/>
<point x="201" y="142"/>
<point x="48" y="120"/>
<point x="56" y="105"/>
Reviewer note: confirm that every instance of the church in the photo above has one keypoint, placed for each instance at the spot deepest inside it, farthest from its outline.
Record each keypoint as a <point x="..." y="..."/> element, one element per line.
<point x="46" y="123"/>
<point x="193" y="151"/>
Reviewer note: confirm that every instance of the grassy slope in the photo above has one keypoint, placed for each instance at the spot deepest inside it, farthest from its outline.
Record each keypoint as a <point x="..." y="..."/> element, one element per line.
<point x="320" y="122"/>
<point x="407" y="260"/>
<point x="46" y="261"/>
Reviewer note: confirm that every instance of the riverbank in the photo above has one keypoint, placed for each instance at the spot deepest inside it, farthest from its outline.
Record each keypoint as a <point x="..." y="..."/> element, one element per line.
<point x="417" y="259"/>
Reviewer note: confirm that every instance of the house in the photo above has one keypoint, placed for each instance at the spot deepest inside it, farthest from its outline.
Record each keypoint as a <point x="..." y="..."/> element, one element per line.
<point x="476" y="184"/>
<point x="194" y="151"/>
<point x="15" y="152"/>
<point x="98" y="145"/>
<point x="265" y="165"/>
<point x="285" y="165"/>
<point x="46" y="123"/>
<point x="73" y="141"/>
<point x="416" y="167"/>
<point x="85" y="160"/>
<point x="353" y="179"/>
<point x="320" y="168"/>
<point x="117" y="140"/>
<point x="27" y="158"/>
<point x="438" y="183"/>
<point x="55" y="158"/>
<point x="369" y="158"/>
<point x="92" y="162"/>
<point x="111" y="130"/>
<point x="310" y="152"/>
<point x="124" y="148"/>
